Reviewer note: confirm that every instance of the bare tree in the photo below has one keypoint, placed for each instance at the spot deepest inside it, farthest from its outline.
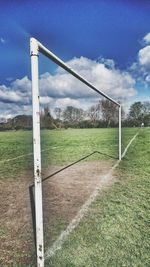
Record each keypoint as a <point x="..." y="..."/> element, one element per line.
<point x="109" y="112"/>
<point x="95" y="112"/>
<point x="58" y="112"/>
<point x="73" y="114"/>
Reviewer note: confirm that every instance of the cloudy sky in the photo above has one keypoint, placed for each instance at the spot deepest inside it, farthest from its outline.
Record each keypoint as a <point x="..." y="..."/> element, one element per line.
<point x="107" y="42"/>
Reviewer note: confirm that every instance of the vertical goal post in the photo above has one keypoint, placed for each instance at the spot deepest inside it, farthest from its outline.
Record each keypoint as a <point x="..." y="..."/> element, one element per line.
<point x="35" y="48"/>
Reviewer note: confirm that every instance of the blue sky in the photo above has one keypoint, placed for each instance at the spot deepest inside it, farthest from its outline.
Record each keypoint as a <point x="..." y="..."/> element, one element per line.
<point x="80" y="32"/>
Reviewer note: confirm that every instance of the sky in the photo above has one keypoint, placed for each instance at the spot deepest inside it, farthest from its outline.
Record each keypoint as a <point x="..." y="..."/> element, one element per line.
<point x="107" y="42"/>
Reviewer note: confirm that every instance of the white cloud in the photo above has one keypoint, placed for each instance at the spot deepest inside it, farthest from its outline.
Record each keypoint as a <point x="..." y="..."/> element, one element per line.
<point x="109" y="63"/>
<point x="16" y="98"/>
<point x="8" y="96"/>
<point x="62" y="89"/>
<point x="45" y="100"/>
<point x="143" y="65"/>
<point x="111" y="81"/>
<point x="2" y="40"/>
<point x="144" y="56"/>
<point x="9" y="110"/>
<point x="22" y="85"/>
<point x="141" y="68"/>
<point x="147" y="38"/>
<point x="147" y="78"/>
<point x="63" y="102"/>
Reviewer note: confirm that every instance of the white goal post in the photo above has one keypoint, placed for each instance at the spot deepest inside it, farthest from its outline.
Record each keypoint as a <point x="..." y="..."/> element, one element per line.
<point x="35" y="48"/>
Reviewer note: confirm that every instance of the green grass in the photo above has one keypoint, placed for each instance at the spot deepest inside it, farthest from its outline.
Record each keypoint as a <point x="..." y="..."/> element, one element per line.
<point x="115" y="232"/>
<point x="61" y="147"/>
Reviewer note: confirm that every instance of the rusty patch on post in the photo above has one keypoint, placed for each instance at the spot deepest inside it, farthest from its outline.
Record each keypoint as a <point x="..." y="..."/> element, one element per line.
<point x="38" y="172"/>
<point x="40" y="247"/>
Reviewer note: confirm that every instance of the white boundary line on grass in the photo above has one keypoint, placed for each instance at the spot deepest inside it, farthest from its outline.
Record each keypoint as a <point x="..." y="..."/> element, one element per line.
<point x="21" y="156"/>
<point x="73" y="224"/>
<point x="24" y="155"/>
<point x="126" y="149"/>
<point x="29" y="154"/>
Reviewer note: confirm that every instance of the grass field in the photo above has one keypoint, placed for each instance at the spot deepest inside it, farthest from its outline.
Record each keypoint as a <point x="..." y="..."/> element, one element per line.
<point x="59" y="147"/>
<point x="115" y="232"/>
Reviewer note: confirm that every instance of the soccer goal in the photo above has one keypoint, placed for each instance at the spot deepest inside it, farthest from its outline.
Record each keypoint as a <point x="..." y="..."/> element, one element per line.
<point x="35" y="48"/>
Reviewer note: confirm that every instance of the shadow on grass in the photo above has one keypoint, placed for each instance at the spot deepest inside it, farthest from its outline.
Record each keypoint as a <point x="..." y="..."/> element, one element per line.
<point x="75" y="162"/>
<point x="31" y="187"/>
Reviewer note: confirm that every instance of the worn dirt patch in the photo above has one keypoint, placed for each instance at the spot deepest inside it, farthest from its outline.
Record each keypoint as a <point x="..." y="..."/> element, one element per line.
<point x="63" y="196"/>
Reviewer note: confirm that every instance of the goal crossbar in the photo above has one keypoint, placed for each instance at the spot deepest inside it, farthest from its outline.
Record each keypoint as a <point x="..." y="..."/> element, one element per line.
<point x="35" y="48"/>
<point x="62" y="64"/>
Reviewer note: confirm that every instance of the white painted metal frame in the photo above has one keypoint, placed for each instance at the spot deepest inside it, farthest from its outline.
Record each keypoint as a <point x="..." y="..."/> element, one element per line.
<point x="37" y="153"/>
<point x="35" y="48"/>
<point x="120" y="153"/>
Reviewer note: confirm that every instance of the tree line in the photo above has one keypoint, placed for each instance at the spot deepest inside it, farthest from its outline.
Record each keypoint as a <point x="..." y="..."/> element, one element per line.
<point x="100" y="115"/>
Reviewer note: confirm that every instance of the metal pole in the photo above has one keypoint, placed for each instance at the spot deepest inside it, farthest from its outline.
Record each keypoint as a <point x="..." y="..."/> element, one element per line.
<point x="120" y="132"/>
<point x="37" y="153"/>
